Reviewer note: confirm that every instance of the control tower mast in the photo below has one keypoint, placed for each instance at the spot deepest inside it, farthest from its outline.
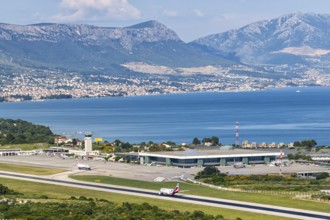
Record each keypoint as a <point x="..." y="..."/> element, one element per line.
<point x="88" y="142"/>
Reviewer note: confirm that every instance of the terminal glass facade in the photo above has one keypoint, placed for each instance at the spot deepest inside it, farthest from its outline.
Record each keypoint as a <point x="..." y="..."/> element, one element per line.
<point x="200" y="161"/>
<point x="184" y="162"/>
<point x="228" y="161"/>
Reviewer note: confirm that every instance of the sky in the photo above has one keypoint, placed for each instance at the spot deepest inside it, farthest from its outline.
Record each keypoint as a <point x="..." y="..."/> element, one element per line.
<point x="190" y="19"/>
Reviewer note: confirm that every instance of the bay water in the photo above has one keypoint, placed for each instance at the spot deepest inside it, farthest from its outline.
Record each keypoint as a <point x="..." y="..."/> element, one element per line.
<point x="277" y="115"/>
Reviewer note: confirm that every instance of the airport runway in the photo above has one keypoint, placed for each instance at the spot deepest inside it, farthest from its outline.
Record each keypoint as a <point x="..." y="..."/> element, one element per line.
<point x="230" y="204"/>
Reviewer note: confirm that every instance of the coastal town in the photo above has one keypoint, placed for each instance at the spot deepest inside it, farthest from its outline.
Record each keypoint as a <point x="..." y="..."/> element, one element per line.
<point x="31" y="84"/>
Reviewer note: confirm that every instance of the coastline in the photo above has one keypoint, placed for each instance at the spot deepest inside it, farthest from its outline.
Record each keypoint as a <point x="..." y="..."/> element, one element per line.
<point x="169" y="93"/>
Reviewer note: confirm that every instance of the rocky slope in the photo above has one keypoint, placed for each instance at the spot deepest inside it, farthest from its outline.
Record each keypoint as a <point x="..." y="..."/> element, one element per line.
<point x="295" y="38"/>
<point x="91" y="48"/>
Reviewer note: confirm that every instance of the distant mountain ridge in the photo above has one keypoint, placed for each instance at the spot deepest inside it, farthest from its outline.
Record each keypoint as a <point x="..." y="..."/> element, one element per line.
<point x="91" y="48"/>
<point x="151" y="31"/>
<point x="272" y="41"/>
<point x="290" y="39"/>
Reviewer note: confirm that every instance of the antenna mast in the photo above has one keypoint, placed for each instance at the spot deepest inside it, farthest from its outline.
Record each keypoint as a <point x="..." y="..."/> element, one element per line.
<point x="237" y="135"/>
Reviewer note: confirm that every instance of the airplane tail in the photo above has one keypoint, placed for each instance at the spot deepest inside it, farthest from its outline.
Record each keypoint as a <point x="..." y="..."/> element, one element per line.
<point x="176" y="189"/>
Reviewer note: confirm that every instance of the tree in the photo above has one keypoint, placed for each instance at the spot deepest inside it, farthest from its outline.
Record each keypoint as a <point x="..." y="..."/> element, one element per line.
<point x="196" y="141"/>
<point x="215" y="140"/>
<point x="21" y="132"/>
<point x="313" y="143"/>
<point x="4" y="190"/>
<point x="74" y="142"/>
<point x="206" y="140"/>
<point x="10" y="138"/>
<point x="117" y="142"/>
<point x="208" y="171"/>
<point x="296" y="144"/>
<point x="305" y="143"/>
<point x="321" y="176"/>
<point x="291" y="157"/>
<point x="308" y="143"/>
<point x="126" y="146"/>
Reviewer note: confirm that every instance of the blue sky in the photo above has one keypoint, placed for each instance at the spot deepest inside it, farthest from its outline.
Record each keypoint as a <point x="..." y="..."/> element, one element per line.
<point x="190" y="19"/>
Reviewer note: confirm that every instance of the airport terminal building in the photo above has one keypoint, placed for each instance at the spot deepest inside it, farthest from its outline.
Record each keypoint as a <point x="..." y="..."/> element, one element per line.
<point x="200" y="158"/>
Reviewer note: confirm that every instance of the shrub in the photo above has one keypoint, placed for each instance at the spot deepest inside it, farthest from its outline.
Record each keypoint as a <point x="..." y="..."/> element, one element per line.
<point x="322" y="176"/>
<point x="82" y="198"/>
<point x="208" y="171"/>
<point x="4" y="190"/>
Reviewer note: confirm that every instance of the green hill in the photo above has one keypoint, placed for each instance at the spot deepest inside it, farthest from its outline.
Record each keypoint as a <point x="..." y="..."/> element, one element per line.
<point x="23" y="132"/>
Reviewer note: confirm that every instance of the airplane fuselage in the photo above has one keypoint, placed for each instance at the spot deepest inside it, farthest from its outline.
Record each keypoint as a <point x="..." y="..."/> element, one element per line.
<point x="169" y="192"/>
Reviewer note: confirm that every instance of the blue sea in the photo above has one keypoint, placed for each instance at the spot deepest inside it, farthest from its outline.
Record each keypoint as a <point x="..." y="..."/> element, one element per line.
<point x="278" y="115"/>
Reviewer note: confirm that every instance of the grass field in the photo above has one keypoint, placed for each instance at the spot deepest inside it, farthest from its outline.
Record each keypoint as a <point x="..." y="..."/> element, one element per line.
<point x="193" y="189"/>
<point x="270" y="182"/>
<point x="29" y="169"/>
<point x="34" y="190"/>
<point x="26" y="146"/>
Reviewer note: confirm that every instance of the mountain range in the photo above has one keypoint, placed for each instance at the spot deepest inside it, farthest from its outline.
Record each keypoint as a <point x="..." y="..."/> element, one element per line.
<point x="91" y="48"/>
<point x="290" y="39"/>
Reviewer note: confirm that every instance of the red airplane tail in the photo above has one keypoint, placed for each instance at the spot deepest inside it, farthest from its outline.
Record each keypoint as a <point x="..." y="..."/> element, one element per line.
<point x="176" y="189"/>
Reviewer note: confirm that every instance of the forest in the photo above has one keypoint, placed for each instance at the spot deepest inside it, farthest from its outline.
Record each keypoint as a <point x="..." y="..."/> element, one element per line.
<point x="23" y="132"/>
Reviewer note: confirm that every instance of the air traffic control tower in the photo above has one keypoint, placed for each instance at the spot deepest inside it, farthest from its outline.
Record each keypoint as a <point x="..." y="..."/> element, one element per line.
<point x="88" y="142"/>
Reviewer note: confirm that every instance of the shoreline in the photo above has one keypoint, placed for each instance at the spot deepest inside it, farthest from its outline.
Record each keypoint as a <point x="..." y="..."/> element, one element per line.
<point x="161" y="94"/>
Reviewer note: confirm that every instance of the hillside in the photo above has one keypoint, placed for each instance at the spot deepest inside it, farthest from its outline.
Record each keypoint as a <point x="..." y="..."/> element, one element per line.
<point x="87" y="48"/>
<point x="290" y="39"/>
<point x="21" y="132"/>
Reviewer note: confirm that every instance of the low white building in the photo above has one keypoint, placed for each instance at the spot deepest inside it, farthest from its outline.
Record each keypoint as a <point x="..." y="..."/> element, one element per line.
<point x="10" y="152"/>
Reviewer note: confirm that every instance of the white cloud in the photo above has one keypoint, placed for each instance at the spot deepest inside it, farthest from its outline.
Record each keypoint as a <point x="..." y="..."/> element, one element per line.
<point x="170" y="13"/>
<point x="198" y="13"/>
<point x="75" y="10"/>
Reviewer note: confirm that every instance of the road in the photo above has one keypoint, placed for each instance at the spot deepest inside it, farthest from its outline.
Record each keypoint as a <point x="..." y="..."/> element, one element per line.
<point x="231" y="204"/>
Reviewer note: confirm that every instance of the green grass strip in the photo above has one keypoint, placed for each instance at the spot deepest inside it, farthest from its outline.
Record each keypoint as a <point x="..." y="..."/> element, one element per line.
<point x="32" y="189"/>
<point x="29" y="169"/>
<point x="25" y="147"/>
<point x="193" y="189"/>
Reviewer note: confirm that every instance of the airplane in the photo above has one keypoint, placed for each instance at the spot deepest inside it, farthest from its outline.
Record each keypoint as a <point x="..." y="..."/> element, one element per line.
<point x="169" y="192"/>
<point x="325" y="191"/>
<point x="239" y="165"/>
<point x="83" y="166"/>
<point x="181" y="177"/>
